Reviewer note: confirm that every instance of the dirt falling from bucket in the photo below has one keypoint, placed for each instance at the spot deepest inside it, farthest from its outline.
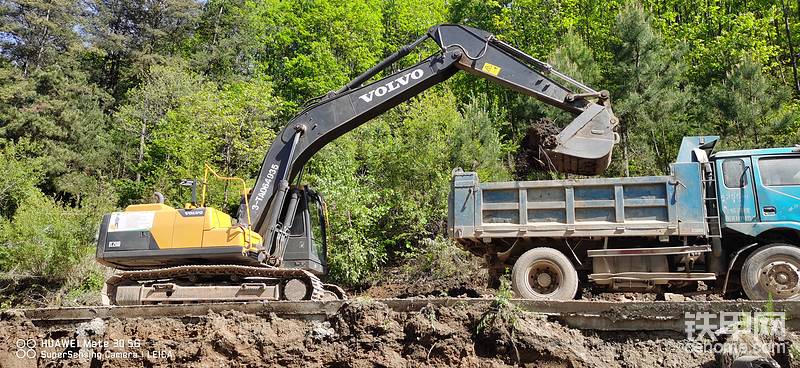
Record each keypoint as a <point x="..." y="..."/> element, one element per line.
<point x="531" y="156"/>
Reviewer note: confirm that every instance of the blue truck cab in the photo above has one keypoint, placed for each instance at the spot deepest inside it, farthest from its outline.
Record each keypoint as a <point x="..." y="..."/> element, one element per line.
<point x="759" y="194"/>
<point x="720" y="222"/>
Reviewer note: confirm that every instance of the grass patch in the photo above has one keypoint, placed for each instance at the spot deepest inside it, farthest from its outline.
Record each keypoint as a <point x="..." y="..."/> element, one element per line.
<point x="439" y="258"/>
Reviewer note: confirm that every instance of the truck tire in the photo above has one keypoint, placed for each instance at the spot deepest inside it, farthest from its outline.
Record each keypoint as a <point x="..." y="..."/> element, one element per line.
<point x="772" y="270"/>
<point x="544" y="274"/>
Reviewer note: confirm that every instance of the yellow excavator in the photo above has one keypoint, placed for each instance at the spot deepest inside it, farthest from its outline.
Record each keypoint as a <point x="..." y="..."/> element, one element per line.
<point x="275" y="248"/>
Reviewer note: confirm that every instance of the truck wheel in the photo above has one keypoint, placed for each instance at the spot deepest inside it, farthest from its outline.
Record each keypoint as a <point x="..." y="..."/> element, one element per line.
<point x="772" y="270"/>
<point x="544" y="274"/>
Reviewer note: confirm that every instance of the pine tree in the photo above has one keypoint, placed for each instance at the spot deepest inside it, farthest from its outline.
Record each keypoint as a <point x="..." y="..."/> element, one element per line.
<point x="129" y="36"/>
<point x="58" y="116"/>
<point x="36" y="33"/>
<point x="648" y="97"/>
<point x="744" y="104"/>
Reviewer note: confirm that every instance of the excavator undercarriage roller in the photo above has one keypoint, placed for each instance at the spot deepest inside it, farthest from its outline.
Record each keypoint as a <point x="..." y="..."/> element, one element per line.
<point x="214" y="283"/>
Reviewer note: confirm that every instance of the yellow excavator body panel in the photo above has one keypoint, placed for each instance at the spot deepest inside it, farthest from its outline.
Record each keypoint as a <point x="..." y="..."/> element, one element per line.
<point x="196" y="227"/>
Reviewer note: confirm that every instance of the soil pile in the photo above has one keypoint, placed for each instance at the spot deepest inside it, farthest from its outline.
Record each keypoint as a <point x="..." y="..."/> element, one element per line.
<point x="531" y="156"/>
<point x="362" y="334"/>
<point x="395" y="283"/>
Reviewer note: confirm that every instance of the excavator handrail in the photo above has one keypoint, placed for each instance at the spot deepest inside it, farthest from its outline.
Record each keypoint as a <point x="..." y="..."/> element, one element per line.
<point x="246" y="226"/>
<point x="210" y="169"/>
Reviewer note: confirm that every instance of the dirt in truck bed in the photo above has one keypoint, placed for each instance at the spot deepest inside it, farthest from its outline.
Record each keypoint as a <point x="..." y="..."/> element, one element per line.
<point x="363" y="334"/>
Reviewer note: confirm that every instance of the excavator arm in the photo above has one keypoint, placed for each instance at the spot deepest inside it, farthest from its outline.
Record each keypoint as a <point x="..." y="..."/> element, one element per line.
<point x="584" y="146"/>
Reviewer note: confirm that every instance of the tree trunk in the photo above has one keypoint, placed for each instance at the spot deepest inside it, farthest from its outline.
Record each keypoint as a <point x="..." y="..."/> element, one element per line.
<point x="43" y="40"/>
<point x="777" y="57"/>
<point x="791" y="46"/>
<point x="216" y="24"/>
<point x="227" y="169"/>
<point x="625" y="152"/>
<point x="755" y="133"/>
<point x="655" y="146"/>
<point x="141" y="149"/>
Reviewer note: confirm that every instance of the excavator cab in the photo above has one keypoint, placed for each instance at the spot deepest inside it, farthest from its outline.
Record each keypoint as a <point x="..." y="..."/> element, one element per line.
<point x="306" y="247"/>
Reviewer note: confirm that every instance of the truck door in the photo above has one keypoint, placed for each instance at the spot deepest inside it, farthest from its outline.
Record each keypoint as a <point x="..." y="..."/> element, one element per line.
<point x="778" y="187"/>
<point x="736" y="198"/>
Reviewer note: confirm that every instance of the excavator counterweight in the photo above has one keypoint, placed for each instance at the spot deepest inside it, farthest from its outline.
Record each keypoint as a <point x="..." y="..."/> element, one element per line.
<point x="276" y="247"/>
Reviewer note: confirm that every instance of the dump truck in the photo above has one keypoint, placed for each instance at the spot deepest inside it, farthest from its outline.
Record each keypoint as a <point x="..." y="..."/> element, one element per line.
<point x="720" y="222"/>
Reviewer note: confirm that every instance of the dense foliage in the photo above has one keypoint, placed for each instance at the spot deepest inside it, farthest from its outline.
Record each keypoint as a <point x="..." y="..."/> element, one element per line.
<point x="103" y="102"/>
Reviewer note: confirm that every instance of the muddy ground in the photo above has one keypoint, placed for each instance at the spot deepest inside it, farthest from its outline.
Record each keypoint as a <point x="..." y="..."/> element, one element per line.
<point x="363" y="334"/>
<point x="474" y="284"/>
<point x="395" y="283"/>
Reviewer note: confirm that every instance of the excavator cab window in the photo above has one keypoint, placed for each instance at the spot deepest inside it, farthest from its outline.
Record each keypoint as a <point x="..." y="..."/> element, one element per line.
<point x="316" y="219"/>
<point x="307" y="236"/>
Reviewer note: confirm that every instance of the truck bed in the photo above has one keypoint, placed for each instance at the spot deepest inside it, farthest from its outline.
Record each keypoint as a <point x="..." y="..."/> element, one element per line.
<point x="595" y="207"/>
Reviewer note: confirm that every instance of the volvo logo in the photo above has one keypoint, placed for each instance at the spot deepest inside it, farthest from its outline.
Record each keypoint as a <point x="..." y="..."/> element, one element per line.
<point x="392" y="85"/>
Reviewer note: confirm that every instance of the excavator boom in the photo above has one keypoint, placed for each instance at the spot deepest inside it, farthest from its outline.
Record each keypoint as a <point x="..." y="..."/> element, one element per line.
<point x="583" y="147"/>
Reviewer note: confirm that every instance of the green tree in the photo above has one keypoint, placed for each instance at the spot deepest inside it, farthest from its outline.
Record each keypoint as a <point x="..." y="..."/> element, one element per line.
<point x="236" y="39"/>
<point x="477" y="145"/>
<point x="60" y="114"/>
<point x="129" y="36"/>
<point x="309" y="48"/>
<point x="181" y="121"/>
<point x="148" y="104"/>
<point x="744" y="104"/>
<point x="646" y="79"/>
<point x="36" y="33"/>
<point x="39" y="236"/>
<point x="405" y="20"/>
<point x="387" y="182"/>
<point x="19" y="176"/>
<point x="573" y="58"/>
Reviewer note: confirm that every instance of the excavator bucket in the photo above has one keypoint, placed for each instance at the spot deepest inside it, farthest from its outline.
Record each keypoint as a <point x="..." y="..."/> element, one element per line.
<point x="584" y="147"/>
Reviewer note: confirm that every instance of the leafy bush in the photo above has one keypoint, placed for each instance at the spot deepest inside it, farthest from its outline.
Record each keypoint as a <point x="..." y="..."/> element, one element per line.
<point x="38" y="236"/>
<point x="387" y="182"/>
<point x="17" y="180"/>
<point x="439" y="258"/>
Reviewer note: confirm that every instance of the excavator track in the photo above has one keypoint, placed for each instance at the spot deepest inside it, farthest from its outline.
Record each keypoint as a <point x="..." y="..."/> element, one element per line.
<point x="229" y="283"/>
